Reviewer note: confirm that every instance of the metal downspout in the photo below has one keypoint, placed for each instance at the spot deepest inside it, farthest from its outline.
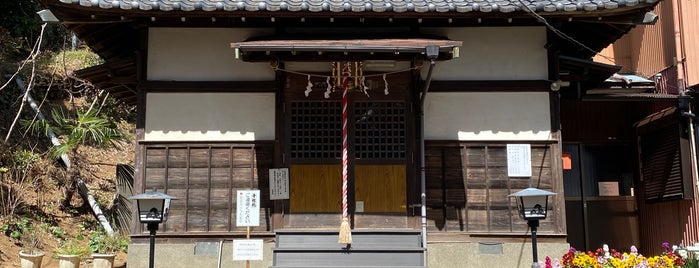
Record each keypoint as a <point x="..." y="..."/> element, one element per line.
<point x="423" y="188"/>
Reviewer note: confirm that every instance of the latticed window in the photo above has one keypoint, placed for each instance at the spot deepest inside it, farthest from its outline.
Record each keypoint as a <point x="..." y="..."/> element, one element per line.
<point x="316" y="129"/>
<point x="378" y="129"/>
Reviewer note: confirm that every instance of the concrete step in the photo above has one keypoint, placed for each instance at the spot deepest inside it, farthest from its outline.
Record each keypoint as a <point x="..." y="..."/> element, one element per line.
<point x="334" y="258"/>
<point x="369" y="248"/>
<point x="348" y="267"/>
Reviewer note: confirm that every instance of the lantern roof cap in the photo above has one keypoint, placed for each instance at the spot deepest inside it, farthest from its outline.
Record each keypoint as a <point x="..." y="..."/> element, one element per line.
<point x="531" y="191"/>
<point x="152" y="195"/>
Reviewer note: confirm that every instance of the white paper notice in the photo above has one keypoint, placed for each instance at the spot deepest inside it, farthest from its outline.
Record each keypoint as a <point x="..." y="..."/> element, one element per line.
<point x="248" y="208"/>
<point x="278" y="183"/>
<point x="247" y="250"/>
<point x="519" y="160"/>
<point x="608" y="188"/>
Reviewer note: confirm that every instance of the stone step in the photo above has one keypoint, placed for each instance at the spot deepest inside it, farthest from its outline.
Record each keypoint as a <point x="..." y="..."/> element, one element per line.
<point x="369" y="248"/>
<point x="341" y="258"/>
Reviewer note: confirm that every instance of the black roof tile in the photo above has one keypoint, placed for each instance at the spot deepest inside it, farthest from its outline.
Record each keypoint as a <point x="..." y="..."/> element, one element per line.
<point x="399" y="6"/>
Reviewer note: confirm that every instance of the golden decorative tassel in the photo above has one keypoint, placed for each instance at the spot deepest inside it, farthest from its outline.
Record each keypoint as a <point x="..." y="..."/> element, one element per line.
<point x="345" y="232"/>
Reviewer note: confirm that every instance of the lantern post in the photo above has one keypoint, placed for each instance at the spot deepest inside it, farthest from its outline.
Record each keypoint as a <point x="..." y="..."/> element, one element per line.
<point x="153" y="209"/>
<point x="532" y="205"/>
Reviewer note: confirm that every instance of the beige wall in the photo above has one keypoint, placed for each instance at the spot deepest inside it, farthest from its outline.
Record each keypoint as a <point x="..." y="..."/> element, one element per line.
<point x="464" y="255"/>
<point x="210" y="116"/>
<point x="182" y="256"/>
<point x="487" y="116"/>
<point x="490" y="53"/>
<point x="202" y="54"/>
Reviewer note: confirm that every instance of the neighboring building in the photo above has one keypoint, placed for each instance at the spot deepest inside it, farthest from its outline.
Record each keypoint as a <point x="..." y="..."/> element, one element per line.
<point x="668" y="54"/>
<point x="662" y="51"/>
<point x="228" y="90"/>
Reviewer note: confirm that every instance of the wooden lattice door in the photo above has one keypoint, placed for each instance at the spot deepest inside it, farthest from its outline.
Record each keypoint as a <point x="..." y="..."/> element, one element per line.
<point x="378" y="166"/>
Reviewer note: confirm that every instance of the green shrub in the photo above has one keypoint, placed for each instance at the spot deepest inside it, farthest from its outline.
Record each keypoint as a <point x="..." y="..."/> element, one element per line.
<point x="72" y="247"/>
<point x="101" y="242"/>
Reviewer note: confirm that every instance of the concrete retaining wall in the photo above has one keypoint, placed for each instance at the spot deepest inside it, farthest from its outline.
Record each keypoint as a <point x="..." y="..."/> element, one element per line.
<point x="439" y="255"/>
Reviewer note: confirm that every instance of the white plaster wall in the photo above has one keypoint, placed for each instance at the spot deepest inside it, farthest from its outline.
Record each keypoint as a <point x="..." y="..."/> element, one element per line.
<point x="202" y="54"/>
<point x="494" y="53"/>
<point x="210" y="116"/>
<point x="486" y="116"/>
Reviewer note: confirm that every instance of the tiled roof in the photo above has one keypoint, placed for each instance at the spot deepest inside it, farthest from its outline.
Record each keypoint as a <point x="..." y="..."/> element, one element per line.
<point x="399" y="6"/>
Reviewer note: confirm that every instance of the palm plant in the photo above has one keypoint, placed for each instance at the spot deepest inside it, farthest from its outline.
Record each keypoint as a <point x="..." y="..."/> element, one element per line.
<point x="120" y="211"/>
<point x="85" y="128"/>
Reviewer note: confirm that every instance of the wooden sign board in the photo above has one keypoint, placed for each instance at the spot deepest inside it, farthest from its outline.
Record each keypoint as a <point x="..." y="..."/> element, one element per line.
<point x="248" y="208"/>
<point x="247" y="250"/>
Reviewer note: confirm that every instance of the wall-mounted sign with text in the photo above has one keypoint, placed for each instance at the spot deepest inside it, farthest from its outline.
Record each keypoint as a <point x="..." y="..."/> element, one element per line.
<point x="278" y="183"/>
<point x="519" y="160"/>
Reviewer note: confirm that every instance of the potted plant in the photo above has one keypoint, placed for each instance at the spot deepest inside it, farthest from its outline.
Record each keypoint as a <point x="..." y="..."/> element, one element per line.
<point x="105" y="248"/>
<point x="31" y="254"/>
<point x="70" y="253"/>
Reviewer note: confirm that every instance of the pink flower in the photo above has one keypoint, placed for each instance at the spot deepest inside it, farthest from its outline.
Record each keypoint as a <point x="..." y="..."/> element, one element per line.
<point x="634" y="249"/>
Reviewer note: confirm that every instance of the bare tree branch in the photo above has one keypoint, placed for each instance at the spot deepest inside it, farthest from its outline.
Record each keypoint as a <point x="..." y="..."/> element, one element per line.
<point x="33" y="55"/>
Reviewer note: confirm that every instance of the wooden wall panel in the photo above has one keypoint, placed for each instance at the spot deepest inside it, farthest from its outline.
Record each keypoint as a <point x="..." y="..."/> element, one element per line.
<point x="197" y="210"/>
<point x="220" y="208"/>
<point x="500" y="220"/>
<point x="381" y="187"/>
<point x="475" y="185"/>
<point x="199" y="158"/>
<point x="477" y="220"/>
<point x="177" y="157"/>
<point x="178" y="212"/>
<point x="198" y="178"/>
<point x="155" y="158"/>
<point x="315" y="188"/>
<point x="220" y="157"/>
<point x="219" y="176"/>
<point x="156" y="175"/>
<point x="455" y="219"/>
<point x="205" y="178"/>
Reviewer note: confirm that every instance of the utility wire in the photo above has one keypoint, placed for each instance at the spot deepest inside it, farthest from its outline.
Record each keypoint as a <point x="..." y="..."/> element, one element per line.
<point x="559" y="33"/>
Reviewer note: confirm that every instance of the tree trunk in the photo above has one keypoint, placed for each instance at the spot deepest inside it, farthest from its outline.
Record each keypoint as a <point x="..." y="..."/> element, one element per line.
<point x="69" y="187"/>
<point x="96" y="210"/>
<point x="73" y="179"/>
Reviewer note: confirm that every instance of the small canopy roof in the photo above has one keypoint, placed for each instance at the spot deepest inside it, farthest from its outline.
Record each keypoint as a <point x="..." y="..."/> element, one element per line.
<point x="350" y="49"/>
